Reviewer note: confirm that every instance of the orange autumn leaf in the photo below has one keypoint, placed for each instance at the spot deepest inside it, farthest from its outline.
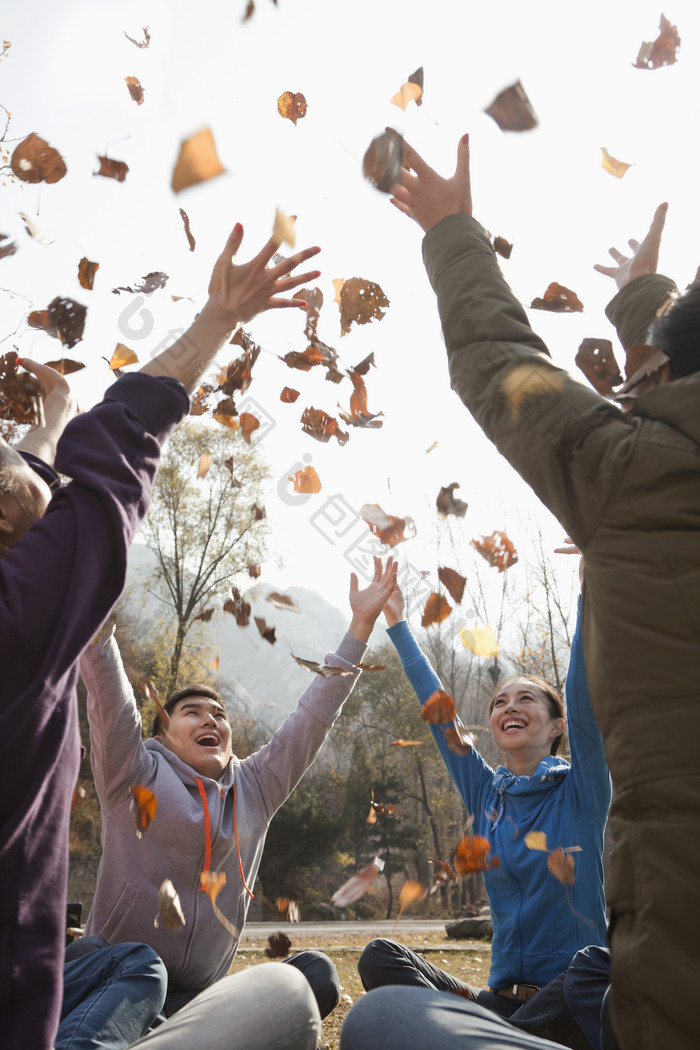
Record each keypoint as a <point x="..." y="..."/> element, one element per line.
<point x="212" y="882"/>
<point x="388" y="528"/>
<point x="205" y="615"/>
<point x="287" y="910"/>
<point x="558" y="299"/>
<point x="112" y="169"/>
<point x="660" y="52"/>
<point x="459" y="741"/>
<point x="292" y="105"/>
<point x="443" y="874"/>
<point x="122" y="356"/>
<point x="596" y="359"/>
<point x="439" y="708"/>
<point x="143" y="804"/>
<point x="253" y="570"/>
<point x="536" y="840"/>
<point x="283" y="231"/>
<point x="381" y="165"/>
<point x="561" y="865"/>
<point x="306" y="480"/>
<point x="359" y="415"/>
<point x="33" y="160"/>
<point x="453" y="581"/>
<point x="497" y="549"/>
<point x="371" y="667"/>
<point x="357" y="885"/>
<point x="197" y="161"/>
<point x="170" y="914"/>
<point x="360" y="302"/>
<point x="65" y="366"/>
<point x="502" y="247"/>
<point x="472" y="854"/>
<point x="612" y="165"/>
<point x="86" y="272"/>
<point x="305" y="360"/>
<point x="78" y="796"/>
<point x="135" y="89"/>
<point x="437" y="608"/>
<point x="411" y="91"/>
<point x="289" y="395"/>
<point x="411" y="892"/>
<point x="405" y="743"/>
<point x="512" y="110"/>
<point x="225" y="413"/>
<point x="318" y="424"/>
<point x="249" y="424"/>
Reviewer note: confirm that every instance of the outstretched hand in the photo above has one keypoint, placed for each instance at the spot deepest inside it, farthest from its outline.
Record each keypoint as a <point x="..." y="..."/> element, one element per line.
<point x="395" y="607"/>
<point x="59" y="408"/>
<point x="645" y="256"/>
<point x="367" y="604"/>
<point x="425" y="196"/>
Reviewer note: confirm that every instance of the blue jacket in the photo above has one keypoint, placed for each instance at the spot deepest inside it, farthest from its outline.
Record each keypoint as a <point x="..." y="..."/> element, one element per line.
<point x="536" y="930"/>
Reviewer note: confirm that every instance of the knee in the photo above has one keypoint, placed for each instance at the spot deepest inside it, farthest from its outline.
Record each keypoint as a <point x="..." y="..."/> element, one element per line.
<point x="370" y="1021"/>
<point x="84" y="946"/>
<point x="323" y="977"/>
<point x="372" y="962"/>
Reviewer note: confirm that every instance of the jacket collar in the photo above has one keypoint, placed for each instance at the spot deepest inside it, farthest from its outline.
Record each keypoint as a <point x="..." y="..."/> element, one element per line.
<point x="676" y="403"/>
<point x="186" y="773"/>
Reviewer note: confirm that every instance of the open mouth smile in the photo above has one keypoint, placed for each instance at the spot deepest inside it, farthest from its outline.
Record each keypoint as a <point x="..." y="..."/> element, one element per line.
<point x="513" y="724"/>
<point x="207" y="740"/>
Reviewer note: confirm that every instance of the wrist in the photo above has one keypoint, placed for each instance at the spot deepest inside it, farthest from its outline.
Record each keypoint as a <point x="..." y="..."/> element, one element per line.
<point x="361" y="627"/>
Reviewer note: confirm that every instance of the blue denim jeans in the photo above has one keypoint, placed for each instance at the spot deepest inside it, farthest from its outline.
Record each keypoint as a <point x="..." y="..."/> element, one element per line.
<point x="111" y="995"/>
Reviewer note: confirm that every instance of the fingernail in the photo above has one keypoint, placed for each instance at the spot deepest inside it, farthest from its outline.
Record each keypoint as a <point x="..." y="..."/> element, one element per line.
<point x="303" y="303"/>
<point x="238" y="228"/>
<point x="465" y="140"/>
<point x="315" y="274"/>
<point x="20" y="360"/>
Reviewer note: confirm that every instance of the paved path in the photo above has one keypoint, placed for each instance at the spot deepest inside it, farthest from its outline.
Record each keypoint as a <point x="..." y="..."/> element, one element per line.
<point x="326" y="935"/>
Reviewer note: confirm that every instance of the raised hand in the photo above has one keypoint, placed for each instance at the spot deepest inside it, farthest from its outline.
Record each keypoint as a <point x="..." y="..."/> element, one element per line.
<point x="59" y="408"/>
<point x="395" y="607"/>
<point x="426" y="196"/>
<point x="367" y="604"/>
<point x="645" y="256"/>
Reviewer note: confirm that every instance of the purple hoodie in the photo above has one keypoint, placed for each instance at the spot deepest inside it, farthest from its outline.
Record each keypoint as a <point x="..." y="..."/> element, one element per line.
<point x="56" y="587"/>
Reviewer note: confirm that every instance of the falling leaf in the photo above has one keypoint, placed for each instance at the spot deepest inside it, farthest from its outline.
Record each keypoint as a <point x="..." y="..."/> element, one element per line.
<point x="531" y="379"/>
<point x="433" y="446"/>
<point x="283" y="231"/>
<point x="292" y="106"/>
<point x="304" y="361"/>
<point x="212" y="882"/>
<point x="360" y="301"/>
<point x="258" y="512"/>
<point x="472" y="854"/>
<point x="33" y="230"/>
<point x="283" y="601"/>
<point x="447" y="503"/>
<point x="8" y="248"/>
<point x="502" y="247"/>
<point x="198" y="401"/>
<point x="536" y="840"/>
<point x="78" y="796"/>
<point x="188" y="233"/>
<point x="112" y="169"/>
<point x="439" y="708"/>
<point x="238" y="607"/>
<point x="410" y="892"/>
<point x="411" y="91"/>
<point x="497" y="549"/>
<point x="250" y="8"/>
<point x="596" y="359"/>
<point x="147" y="687"/>
<point x="122" y="356"/>
<point x="613" y="165"/>
<point x="197" y="161"/>
<point x="318" y="424"/>
<point x="225" y="413"/>
<point x="20" y="393"/>
<point x="68" y="319"/>
<point x="405" y="743"/>
<point x="356" y="886"/>
<point x="443" y="875"/>
<point x="86" y="272"/>
<point x="382" y="161"/>
<point x="253" y="570"/>
<point x="454" y="582"/>
<point x="287" y="910"/>
<point x="33" y="160"/>
<point x="249" y="424"/>
<point x="41" y="319"/>
<point x="363" y="368"/>
<point x="235" y="483"/>
<point x="205" y="616"/>
<point x="268" y="633"/>
<point x="371" y="667"/>
<point x="561" y="865"/>
<point x="387" y="527"/>
<point x="65" y="366"/>
<point x="170" y="914"/>
<point x="204" y="464"/>
<point x="306" y="480"/>
<point x="289" y="395"/>
<point x="214" y="663"/>
<point x="437" y="609"/>
<point x="143" y="805"/>
<point x="459" y="741"/>
<point x="278" y="946"/>
<point x="512" y="110"/>
<point x="558" y="299"/>
<point x="324" y="670"/>
<point x="140" y="43"/>
<point x="313" y="297"/>
<point x="149" y="284"/>
<point x="662" y="51"/>
<point x="135" y="89"/>
<point x="480" y="640"/>
<point x="359" y="415"/>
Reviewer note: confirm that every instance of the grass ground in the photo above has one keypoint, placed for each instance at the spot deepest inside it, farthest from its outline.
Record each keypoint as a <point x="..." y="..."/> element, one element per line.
<point x="468" y="960"/>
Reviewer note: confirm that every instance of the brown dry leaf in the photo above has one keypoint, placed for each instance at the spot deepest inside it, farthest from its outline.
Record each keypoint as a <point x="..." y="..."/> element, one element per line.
<point x="135" y="89"/>
<point x="278" y="946"/>
<point x="188" y="232"/>
<point x="443" y="876"/>
<point x="86" y="272"/>
<point x="356" y="886"/>
<point x="313" y="297"/>
<point x="204" y="465"/>
<point x="531" y="379"/>
<point x="146" y="686"/>
<point x="33" y="160"/>
<point x="112" y="169"/>
<point x="359" y="416"/>
<point x="122" y="356"/>
<point x="502" y="247"/>
<point x="558" y="299"/>
<point x="289" y="395"/>
<point x="8" y="248"/>
<point x="439" y="708"/>
<point x="363" y="368"/>
<point x="405" y="743"/>
<point x="250" y="8"/>
<point x="143" y="806"/>
<point x="318" y="424"/>
<point x="238" y="374"/>
<point x="305" y="360"/>
<point x="292" y="106"/>
<point x="67" y="317"/>
<point x="140" y="43"/>
<point x="78" y="796"/>
<point x="170" y="914"/>
<point x="197" y="161"/>
<point x="497" y="549"/>
<point x="306" y="480"/>
<point x="253" y="570"/>
<point x="249" y="424"/>
<point x="371" y="667"/>
<point x="387" y="527"/>
<point x="454" y="582"/>
<point x="204" y="616"/>
<point x="41" y="319"/>
<point x="360" y="302"/>
<point x="283" y="231"/>
<point x="235" y="483"/>
<point x="411" y="91"/>
<point x="561" y="865"/>
<point x="613" y="165"/>
<point x="238" y="606"/>
<point x="480" y="640"/>
<point x="596" y="359"/>
<point x="437" y="608"/>
<point x="536" y="840"/>
<point x="381" y="164"/>
<point x="459" y="741"/>
<point x="512" y="110"/>
<point x="149" y="284"/>
<point x="65" y="366"/>
<point x="448" y="504"/>
<point x="268" y="633"/>
<point x="472" y="854"/>
<point x="199" y="400"/>
<point x="661" y="52"/>
<point x="283" y="601"/>
<point x="225" y="412"/>
<point x="324" y="670"/>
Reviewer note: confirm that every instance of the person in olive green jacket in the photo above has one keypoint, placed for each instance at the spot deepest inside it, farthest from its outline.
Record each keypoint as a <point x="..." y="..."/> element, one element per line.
<point x="627" y="489"/>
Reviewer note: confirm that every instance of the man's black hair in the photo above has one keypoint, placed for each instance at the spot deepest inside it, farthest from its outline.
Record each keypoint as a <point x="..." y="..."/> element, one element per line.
<point x="196" y="689"/>
<point x="677" y="333"/>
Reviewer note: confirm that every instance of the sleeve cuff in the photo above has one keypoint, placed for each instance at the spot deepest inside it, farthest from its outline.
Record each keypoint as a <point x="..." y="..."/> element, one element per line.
<point x="45" y="472"/>
<point x="351" y="649"/>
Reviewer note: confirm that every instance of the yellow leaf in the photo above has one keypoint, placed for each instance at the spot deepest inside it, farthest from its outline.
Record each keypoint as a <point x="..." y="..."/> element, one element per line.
<point x="536" y="840"/>
<point x="613" y="165"/>
<point x="530" y="380"/>
<point x="410" y="892"/>
<point x="212" y="883"/>
<point x="204" y="464"/>
<point x="283" y="230"/>
<point x="122" y="356"/>
<point x="197" y="162"/>
<point x="214" y="664"/>
<point x="338" y="285"/>
<point x="480" y="640"/>
<point x="408" y="93"/>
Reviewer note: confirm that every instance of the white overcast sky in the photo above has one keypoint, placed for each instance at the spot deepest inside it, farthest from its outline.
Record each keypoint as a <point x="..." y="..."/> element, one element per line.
<point x="544" y="190"/>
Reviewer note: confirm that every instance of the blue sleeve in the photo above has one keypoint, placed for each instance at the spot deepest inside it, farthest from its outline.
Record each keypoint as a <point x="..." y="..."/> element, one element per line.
<point x="589" y="776"/>
<point x="470" y="773"/>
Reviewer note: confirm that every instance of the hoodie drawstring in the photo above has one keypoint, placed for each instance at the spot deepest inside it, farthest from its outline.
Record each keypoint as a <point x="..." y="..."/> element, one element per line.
<point x="235" y="835"/>
<point x="207" y="835"/>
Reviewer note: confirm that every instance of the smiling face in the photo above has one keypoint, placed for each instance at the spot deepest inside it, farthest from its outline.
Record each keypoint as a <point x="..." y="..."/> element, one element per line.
<point x="523" y="723"/>
<point x="200" y="734"/>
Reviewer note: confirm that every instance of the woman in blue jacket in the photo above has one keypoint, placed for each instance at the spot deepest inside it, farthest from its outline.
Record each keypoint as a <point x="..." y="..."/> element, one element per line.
<point x="538" y="922"/>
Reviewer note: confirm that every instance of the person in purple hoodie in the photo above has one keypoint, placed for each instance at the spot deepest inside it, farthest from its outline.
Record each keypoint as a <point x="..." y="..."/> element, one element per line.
<point x="62" y="567"/>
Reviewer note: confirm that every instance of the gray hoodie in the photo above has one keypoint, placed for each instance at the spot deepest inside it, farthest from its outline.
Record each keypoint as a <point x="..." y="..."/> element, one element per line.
<point x="174" y="846"/>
